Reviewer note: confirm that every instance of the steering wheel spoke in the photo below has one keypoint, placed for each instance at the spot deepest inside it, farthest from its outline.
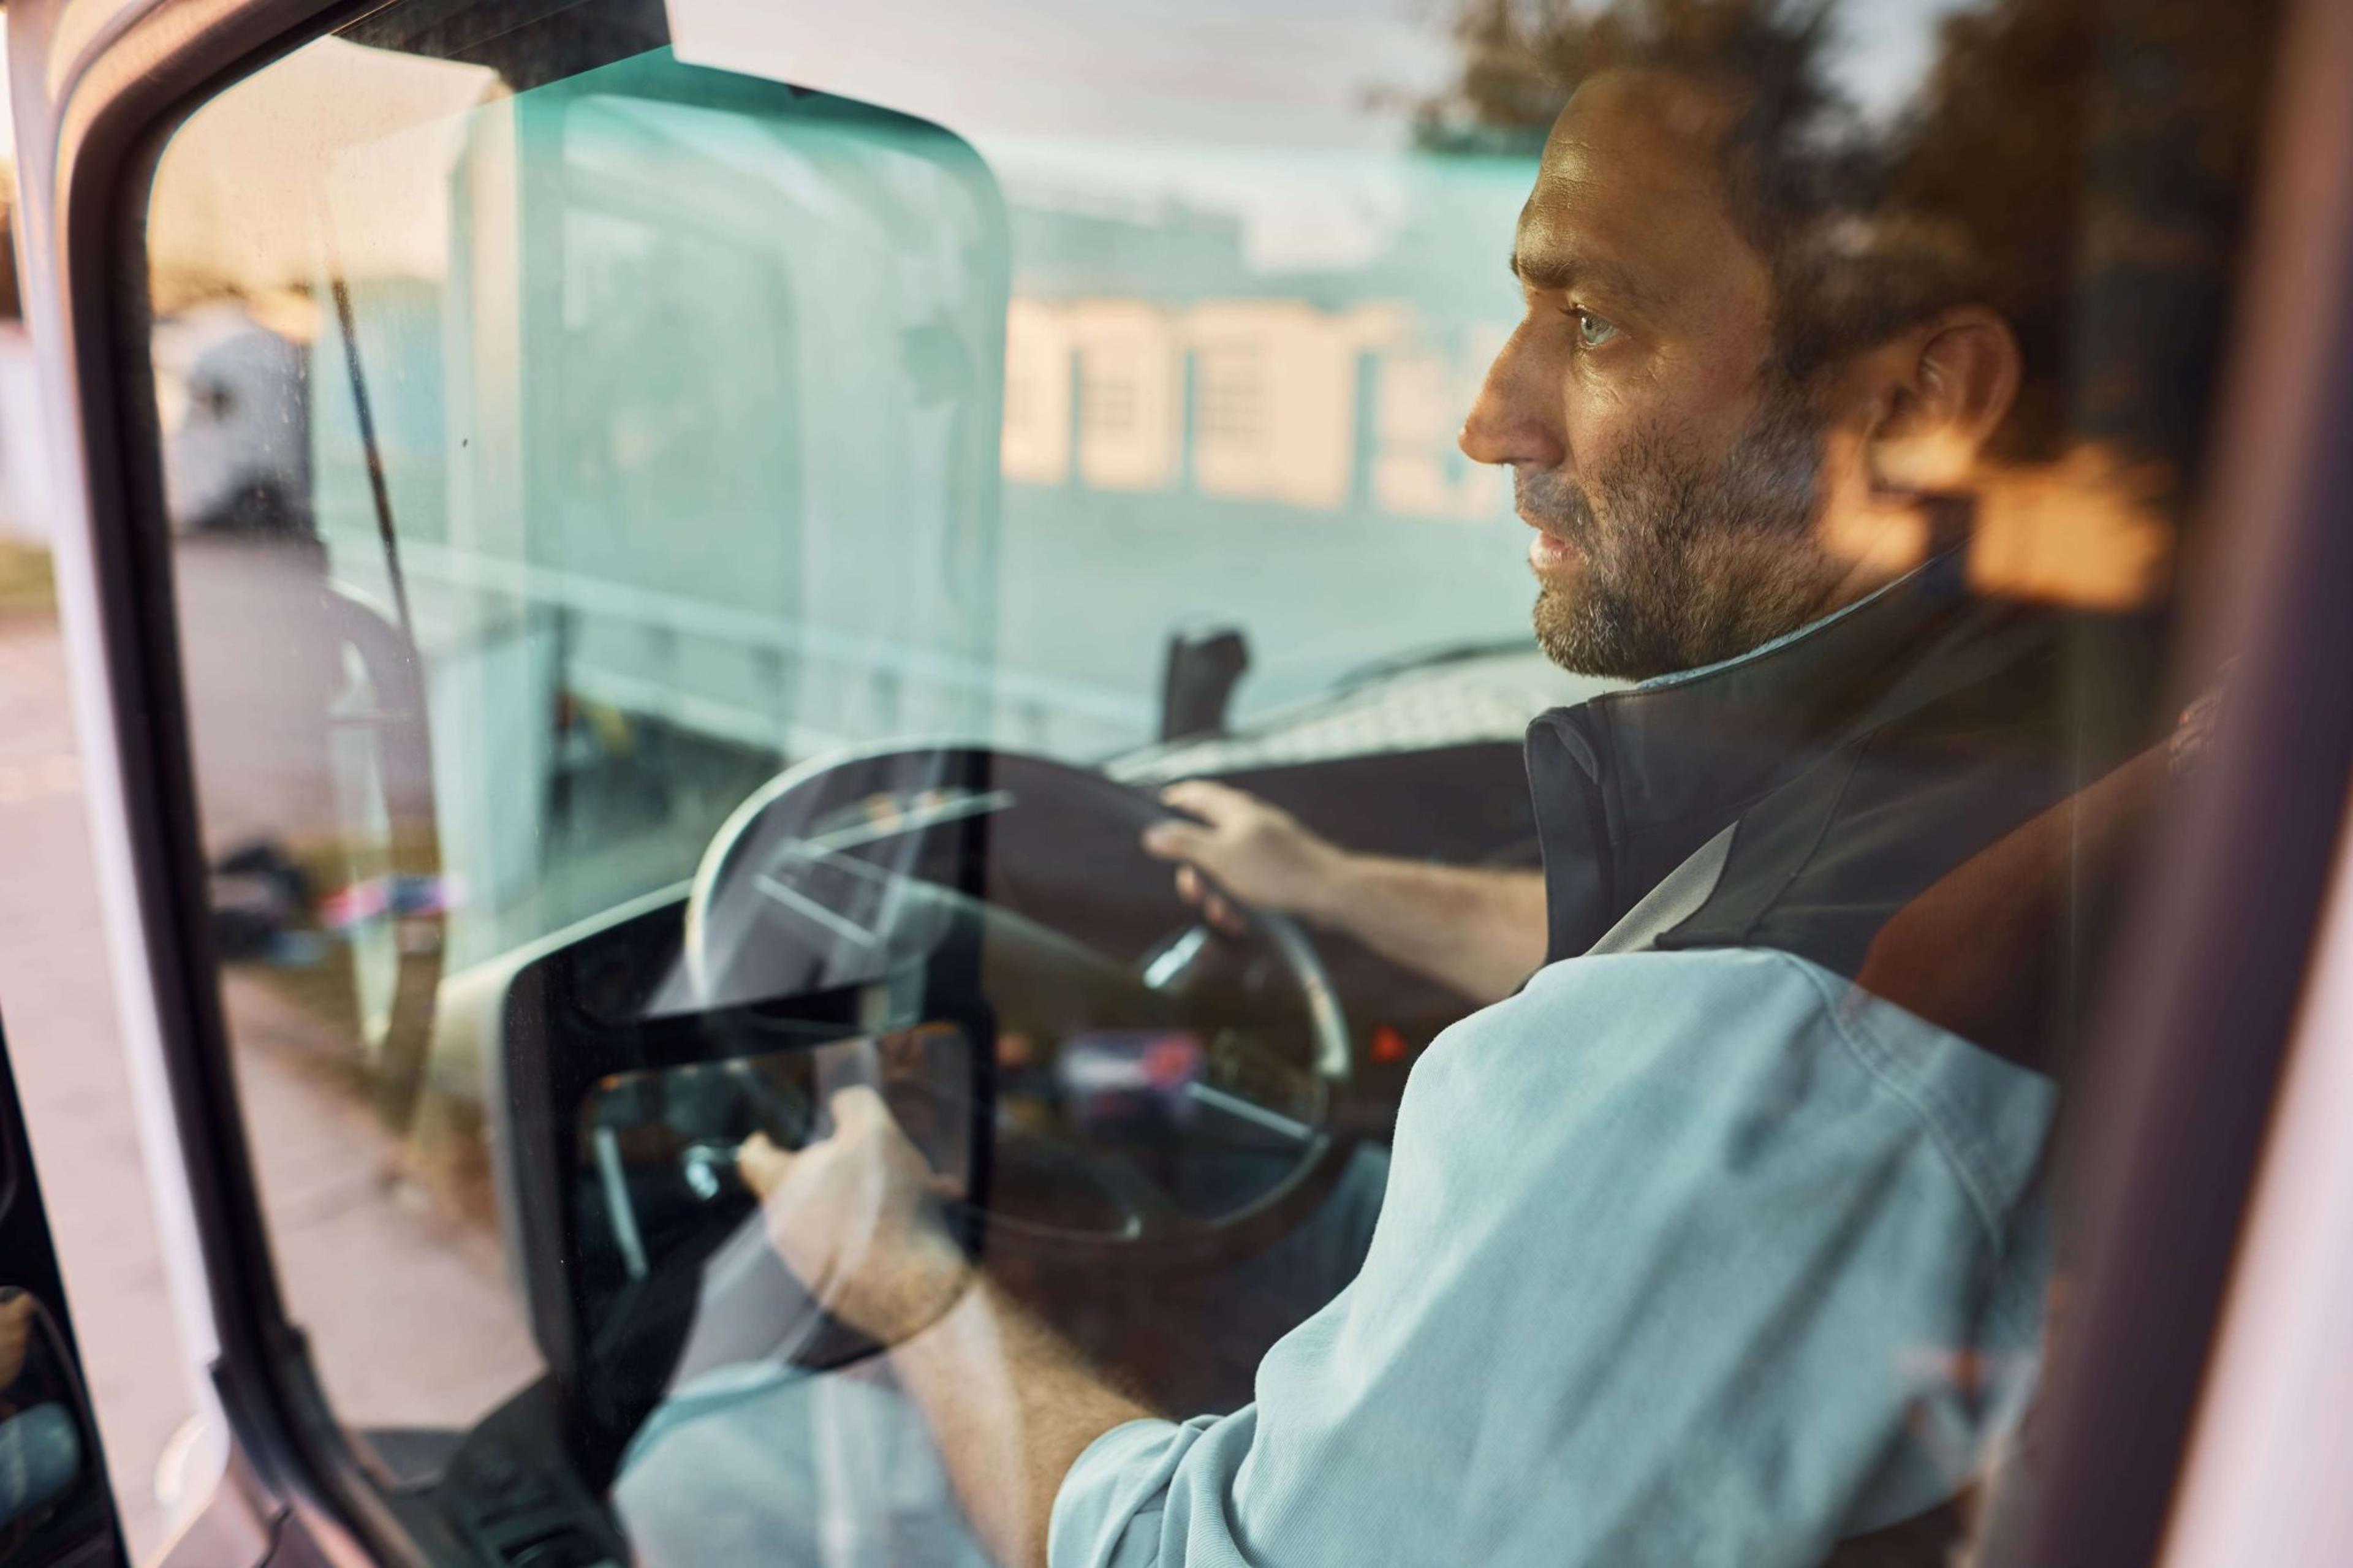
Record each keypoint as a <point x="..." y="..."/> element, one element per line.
<point x="1147" y="1204"/>
<point x="1170" y="963"/>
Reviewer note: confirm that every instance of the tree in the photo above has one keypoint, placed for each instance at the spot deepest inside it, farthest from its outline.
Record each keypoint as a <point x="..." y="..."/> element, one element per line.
<point x="1521" y="59"/>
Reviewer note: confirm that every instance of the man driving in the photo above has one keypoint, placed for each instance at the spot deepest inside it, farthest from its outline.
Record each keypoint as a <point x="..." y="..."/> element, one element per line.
<point x="1477" y="931"/>
<point x="1684" y="1237"/>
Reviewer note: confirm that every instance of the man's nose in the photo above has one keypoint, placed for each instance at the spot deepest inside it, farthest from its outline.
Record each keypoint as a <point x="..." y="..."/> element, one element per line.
<point x="1515" y="417"/>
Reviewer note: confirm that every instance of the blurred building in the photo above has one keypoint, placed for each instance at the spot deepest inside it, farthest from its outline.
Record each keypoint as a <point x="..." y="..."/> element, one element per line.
<point x="652" y="326"/>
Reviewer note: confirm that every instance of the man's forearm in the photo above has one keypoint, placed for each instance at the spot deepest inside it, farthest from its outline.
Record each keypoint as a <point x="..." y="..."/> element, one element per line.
<point x="1479" y="932"/>
<point x="1011" y="1406"/>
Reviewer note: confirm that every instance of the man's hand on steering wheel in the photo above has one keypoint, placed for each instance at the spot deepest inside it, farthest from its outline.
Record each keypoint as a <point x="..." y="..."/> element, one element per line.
<point x="1476" y="930"/>
<point x="1244" y="846"/>
<point x="789" y="902"/>
<point x="855" y="1216"/>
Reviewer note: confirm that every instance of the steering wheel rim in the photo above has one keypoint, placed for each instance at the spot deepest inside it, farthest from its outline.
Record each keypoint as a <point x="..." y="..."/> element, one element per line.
<point x="1158" y="1232"/>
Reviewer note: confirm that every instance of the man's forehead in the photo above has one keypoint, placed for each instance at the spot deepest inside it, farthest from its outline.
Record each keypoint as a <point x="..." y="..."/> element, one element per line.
<point x="1637" y="131"/>
<point x="1665" y="120"/>
<point x="1629" y="185"/>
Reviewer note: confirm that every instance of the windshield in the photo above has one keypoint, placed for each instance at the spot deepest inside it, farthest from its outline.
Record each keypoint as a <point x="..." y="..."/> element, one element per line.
<point x="1392" y="744"/>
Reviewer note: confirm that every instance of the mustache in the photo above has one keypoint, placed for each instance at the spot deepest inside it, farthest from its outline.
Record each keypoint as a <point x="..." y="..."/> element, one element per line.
<point x="1554" y="503"/>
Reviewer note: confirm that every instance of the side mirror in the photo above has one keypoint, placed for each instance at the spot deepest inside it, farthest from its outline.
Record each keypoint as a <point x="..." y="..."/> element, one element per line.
<point x="639" y="1248"/>
<point x="659" y="1204"/>
<point x="1202" y="668"/>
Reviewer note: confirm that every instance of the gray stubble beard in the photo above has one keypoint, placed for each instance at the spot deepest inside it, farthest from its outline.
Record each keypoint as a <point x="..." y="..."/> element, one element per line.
<point x="1686" y="563"/>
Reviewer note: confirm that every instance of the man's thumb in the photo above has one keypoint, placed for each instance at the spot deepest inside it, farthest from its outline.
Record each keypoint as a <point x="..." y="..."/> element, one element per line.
<point x="856" y="1106"/>
<point x="762" y="1165"/>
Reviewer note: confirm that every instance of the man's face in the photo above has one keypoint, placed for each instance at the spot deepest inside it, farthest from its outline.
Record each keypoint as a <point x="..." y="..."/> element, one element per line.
<point x="1668" y="465"/>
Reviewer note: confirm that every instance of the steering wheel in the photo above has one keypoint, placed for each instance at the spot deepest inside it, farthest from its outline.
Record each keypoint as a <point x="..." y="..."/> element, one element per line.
<point x="1140" y="1086"/>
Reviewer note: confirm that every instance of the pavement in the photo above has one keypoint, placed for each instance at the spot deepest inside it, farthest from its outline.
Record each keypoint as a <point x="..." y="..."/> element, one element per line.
<point x="396" y="1280"/>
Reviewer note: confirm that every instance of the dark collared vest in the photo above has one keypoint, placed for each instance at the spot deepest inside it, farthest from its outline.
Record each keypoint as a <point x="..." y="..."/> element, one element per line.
<point x="1799" y="796"/>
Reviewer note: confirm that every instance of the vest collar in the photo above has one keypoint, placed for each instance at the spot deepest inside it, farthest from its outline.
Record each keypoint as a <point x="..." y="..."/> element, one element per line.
<point x="1627" y="784"/>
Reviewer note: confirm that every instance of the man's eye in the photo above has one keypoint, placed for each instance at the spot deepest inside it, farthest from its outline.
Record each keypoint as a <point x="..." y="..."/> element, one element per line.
<point x="1592" y="331"/>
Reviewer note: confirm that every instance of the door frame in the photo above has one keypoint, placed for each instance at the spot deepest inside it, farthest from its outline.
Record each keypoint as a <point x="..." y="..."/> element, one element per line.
<point x="86" y="154"/>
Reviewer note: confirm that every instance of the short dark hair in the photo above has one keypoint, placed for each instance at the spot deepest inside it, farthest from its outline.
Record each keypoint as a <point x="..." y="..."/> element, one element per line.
<point x="2079" y="166"/>
<point x="1857" y="249"/>
<point x="1859" y="244"/>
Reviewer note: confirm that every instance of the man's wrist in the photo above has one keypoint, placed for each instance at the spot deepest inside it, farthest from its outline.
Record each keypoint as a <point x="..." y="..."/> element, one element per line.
<point x="924" y="1289"/>
<point x="1335" y="888"/>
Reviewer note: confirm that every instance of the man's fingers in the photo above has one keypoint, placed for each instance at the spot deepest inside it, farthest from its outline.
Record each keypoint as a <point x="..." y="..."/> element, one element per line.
<point x="1175" y="840"/>
<point x="856" y="1108"/>
<point x="1189" y="846"/>
<point x="1214" y="802"/>
<point x="763" y="1166"/>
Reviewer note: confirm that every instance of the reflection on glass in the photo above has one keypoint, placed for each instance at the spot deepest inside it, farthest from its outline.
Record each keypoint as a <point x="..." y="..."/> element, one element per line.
<point x="657" y="1151"/>
<point x="699" y="592"/>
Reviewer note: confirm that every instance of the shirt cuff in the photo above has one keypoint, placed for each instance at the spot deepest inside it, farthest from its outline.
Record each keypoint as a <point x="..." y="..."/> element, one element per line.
<point x="1118" y="1481"/>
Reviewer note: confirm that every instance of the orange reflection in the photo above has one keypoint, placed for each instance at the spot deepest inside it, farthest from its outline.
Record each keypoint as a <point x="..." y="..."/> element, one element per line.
<point x="2090" y="530"/>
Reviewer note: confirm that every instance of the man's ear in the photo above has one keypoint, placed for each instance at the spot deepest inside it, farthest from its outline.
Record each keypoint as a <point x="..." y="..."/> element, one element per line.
<point x="1946" y="386"/>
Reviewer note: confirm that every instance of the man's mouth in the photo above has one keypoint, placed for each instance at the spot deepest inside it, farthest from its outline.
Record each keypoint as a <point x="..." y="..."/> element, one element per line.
<point x="1560" y="515"/>
<point x="1548" y="552"/>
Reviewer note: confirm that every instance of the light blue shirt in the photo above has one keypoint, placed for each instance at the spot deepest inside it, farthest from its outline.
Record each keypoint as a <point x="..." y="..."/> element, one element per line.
<point x="1680" y="1255"/>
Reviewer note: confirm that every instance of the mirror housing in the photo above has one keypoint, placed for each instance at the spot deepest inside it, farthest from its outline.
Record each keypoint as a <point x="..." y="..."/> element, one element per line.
<point x="1199" y="672"/>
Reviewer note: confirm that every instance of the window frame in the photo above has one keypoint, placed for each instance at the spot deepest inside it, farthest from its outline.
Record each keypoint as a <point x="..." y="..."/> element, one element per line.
<point x="2181" y="1123"/>
<point x="2194" y="1037"/>
<point x="104" y="135"/>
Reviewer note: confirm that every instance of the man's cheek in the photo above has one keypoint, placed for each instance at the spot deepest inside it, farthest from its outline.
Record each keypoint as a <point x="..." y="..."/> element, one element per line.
<point x="1614" y="441"/>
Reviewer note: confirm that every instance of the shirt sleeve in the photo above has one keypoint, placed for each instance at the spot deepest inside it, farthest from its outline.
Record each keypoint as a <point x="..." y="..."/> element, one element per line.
<point x="1680" y="1257"/>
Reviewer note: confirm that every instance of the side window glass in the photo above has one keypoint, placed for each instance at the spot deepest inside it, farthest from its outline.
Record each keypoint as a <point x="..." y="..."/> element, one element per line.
<point x="911" y="751"/>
